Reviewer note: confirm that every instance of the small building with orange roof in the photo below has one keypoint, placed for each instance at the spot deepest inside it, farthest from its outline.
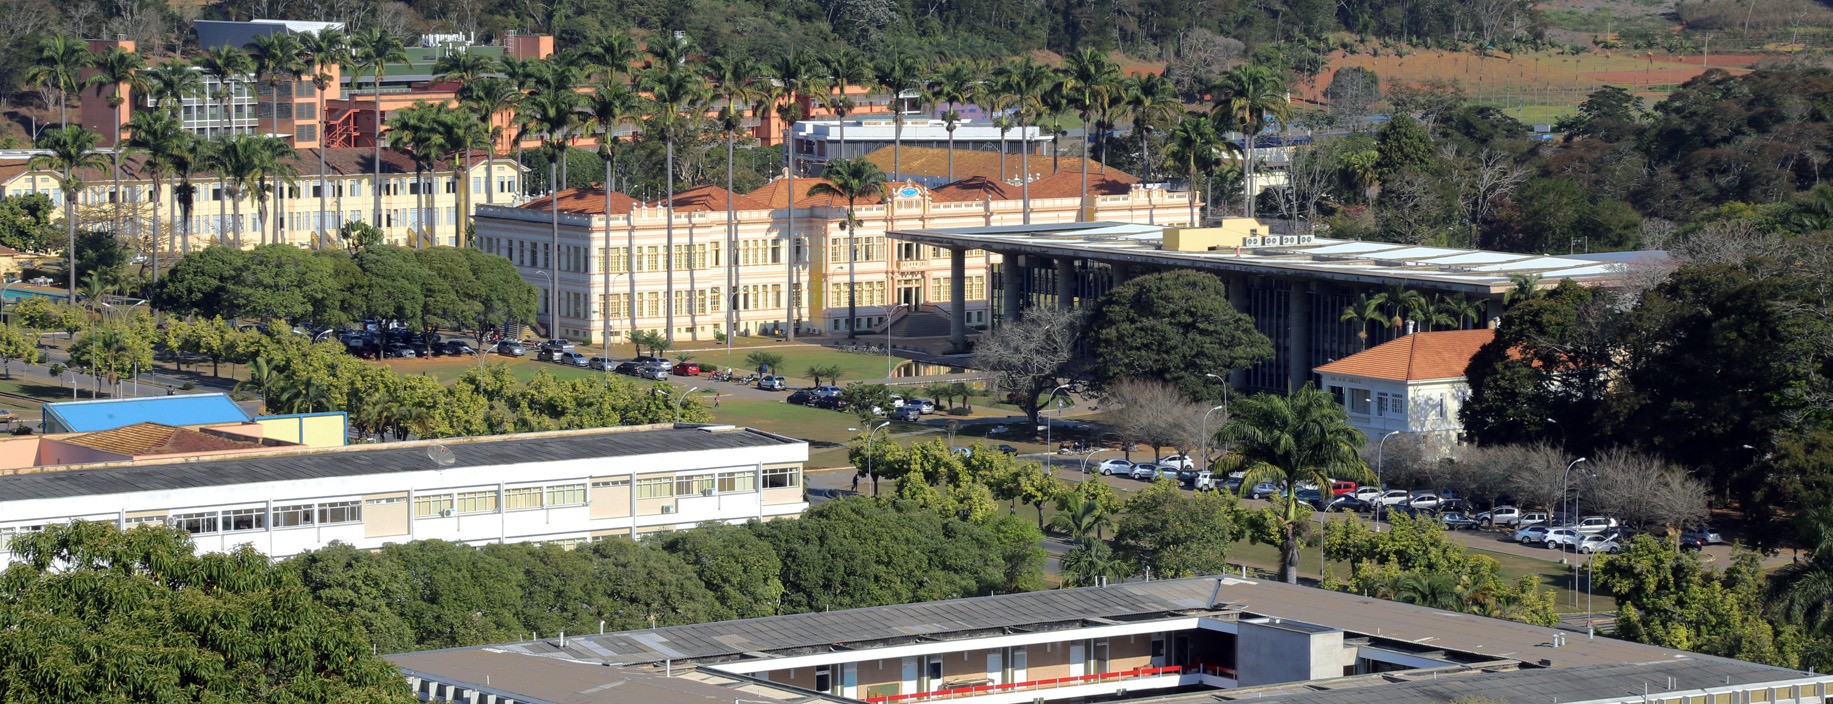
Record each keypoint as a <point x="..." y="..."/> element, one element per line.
<point x="1414" y="384"/>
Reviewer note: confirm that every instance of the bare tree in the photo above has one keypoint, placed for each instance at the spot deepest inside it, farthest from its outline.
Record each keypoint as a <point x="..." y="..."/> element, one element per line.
<point x="1483" y="181"/>
<point x="1407" y="460"/>
<point x="1537" y="473"/>
<point x="1158" y="414"/>
<point x="1030" y="356"/>
<point x="1643" y="491"/>
<point x="1310" y="174"/>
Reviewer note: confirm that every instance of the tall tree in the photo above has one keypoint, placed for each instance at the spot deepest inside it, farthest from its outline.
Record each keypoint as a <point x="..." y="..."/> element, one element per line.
<point x="228" y="66"/>
<point x="58" y="66"/>
<point x="465" y="67"/>
<point x="898" y="74"/>
<point x="327" y="47"/>
<point x="1177" y="326"/>
<point x="852" y="179"/>
<point x="166" y="144"/>
<point x="487" y="98"/>
<point x="1026" y="81"/>
<point x="1304" y="437"/>
<point x="279" y="58"/>
<point x="67" y="150"/>
<point x="612" y="105"/>
<point x="737" y="82"/>
<point x="1153" y="103"/>
<point x="1245" y="98"/>
<point x="1094" y="85"/>
<point x="843" y="69"/>
<point x="1195" y="149"/>
<point x="957" y="83"/>
<point x="797" y="74"/>
<point x="679" y="97"/>
<point x="116" y="79"/>
<point x="551" y="110"/>
<point x="373" y="49"/>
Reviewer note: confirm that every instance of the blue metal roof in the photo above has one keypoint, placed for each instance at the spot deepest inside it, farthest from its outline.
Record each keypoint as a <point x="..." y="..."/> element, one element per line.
<point x="108" y="414"/>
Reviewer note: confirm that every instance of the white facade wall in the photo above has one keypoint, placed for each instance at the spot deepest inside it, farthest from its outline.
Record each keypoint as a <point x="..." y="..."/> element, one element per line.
<point x="381" y="494"/>
<point x="1427" y="407"/>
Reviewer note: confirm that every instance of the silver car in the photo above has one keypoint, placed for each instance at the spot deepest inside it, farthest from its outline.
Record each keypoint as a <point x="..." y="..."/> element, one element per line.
<point x="653" y="373"/>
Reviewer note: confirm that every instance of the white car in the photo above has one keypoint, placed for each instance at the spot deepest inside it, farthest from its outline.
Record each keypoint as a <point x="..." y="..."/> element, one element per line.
<point x="1600" y="543"/>
<point x="1396" y="497"/>
<point x="1424" y="501"/>
<point x="1529" y="535"/>
<point x="1595" y="524"/>
<point x="897" y="401"/>
<point x="1560" y="538"/>
<point x="1371" y="494"/>
<point x="1177" y="461"/>
<point x="1531" y="518"/>
<point x="1500" y="516"/>
<point x="1115" y="466"/>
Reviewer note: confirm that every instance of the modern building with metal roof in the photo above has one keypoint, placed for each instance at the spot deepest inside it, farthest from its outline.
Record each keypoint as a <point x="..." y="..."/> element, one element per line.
<point x="1293" y="284"/>
<point x="111" y="413"/>
<point x="564" y="486"/>
<point x="1185" y="641"/>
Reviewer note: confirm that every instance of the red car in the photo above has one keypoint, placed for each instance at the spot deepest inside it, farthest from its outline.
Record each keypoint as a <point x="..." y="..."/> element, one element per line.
<point x="686" y="369"/>
<point x="1340" y="488"/>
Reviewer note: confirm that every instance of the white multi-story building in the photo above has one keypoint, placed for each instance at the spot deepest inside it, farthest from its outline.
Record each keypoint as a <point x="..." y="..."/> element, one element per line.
<point x="1414" y="384"/>
<point x="564" y="487"/>
<point x="821" y="141"/>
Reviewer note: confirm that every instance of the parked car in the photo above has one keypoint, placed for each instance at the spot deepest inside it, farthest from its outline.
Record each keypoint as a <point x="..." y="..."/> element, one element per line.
<point x="907" y="413"/>
<point x="1008" y="449"/>
<point x="1457" y="520"/>
<point x="1263" y="490"/>
<point x="686" y="369"/>
<point x="627" y="368"/>
<point x="1115" y="466"/>
<point x="546" y="355"/>
<point x="1369" y="494"/>
<point x="800" y="398"/>
<point x="1145" y="471"/>
<point x="1187" y="477"/>
<point x="603" y="364"/>
<point x="1595" y="524"/>
<point x="1205" y="481"/>
<point x="652" y="373"/>
<point x="1424" y="502"/>
<point x="399" y="350"/>
<point x="1179" y="461"/>
<point x="772" y="383"/>
<point x="827" y="390"/>
<point x="574" y="359"/>
<point x="1500" y="516"/>
<point x="897" y="401"/>
<point x="558" y="345"/>
<point x="1232" y="483"/>
<point x="1348" y="502"/>
<point x="511" y="348"/>
<point x="1705" y="536"/>
<point x="1311" y="497"/>
<point x="1560" y="538"/>
<point x="1601" y="542"/>
<point x="923" y="405"/>
<point x="1693" y="542"/>
<point x="1340" y="488"/>
<point x="1530" y="535"/>
<point x="832" y="403"/>
<point x="459" y="347"/>
<point x="1396" y="497"/>
<point x="1529" y="518"/>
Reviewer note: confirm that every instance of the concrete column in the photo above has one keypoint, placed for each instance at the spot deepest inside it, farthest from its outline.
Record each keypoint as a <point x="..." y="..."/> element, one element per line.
<point x="1237" y="299"/>
<point x="1012" y="272"/>
<point x="1493" y="310"/>
<point x="1298" y="336"/>
<point x="957" y="296"/>
<point x="1066" y="283"/>
<point x="1123" y="272"/>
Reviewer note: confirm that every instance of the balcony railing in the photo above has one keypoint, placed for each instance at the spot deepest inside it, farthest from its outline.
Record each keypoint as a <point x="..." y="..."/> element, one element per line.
<point x="1031" y="685"/>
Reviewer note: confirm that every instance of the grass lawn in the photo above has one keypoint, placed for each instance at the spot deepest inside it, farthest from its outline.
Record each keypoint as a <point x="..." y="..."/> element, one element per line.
<point x="798" y="357"/>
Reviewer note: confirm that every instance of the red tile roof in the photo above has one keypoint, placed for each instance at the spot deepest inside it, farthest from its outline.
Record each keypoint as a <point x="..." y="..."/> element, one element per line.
<point x="1068" y="184"/>
<point x="933" y="162"/>
<point x="156" y="439"/>
<point x="585" y="201"/>
<point x="711" y="199"/>
<point x="776" y="194"/>
<point x="1416" y="357"/>
<point x="975" y="188"/>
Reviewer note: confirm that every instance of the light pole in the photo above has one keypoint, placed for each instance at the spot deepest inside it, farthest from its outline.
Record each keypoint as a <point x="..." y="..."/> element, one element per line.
<point x="1565" y="481"/>
<point x="1225" y="413"/>
<point x="1090" y="455"/>
<point x="889" y="368"/>
<point x="553" y="312"/>
<point x="1380" y="459"/>
<point x="1047" y="400"/>
<point x="1562" y="433"/>
<point x="1204" y="429"/>
<point x="871" y="459"/>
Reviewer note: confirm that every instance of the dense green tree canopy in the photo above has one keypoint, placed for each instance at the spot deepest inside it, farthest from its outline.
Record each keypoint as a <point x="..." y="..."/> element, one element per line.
<point x="1177" y="326"/>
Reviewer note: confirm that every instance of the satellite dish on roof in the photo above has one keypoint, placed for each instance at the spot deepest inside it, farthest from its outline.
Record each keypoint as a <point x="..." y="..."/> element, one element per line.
<point x="441" y="455"/>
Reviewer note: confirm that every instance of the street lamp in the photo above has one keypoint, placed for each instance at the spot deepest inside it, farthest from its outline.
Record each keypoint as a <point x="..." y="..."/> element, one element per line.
<point x="679" y="399"/>
<point x="553" y="310"/>
<point x="871" y="470"/>
<point x="1562" y="432"/>
<point x="1047" y="400"/>
<point x="1380" y="459"/>
<point x="1225" y="412"/>
<point x="1204" y="429"/>
<point x="1090" y="455"/>
<point x="1572" y="518"/>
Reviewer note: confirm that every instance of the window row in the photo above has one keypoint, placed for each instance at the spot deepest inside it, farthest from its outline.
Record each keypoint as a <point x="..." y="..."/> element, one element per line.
<point x="258" y="518"/>
<point x="486" y="501"/>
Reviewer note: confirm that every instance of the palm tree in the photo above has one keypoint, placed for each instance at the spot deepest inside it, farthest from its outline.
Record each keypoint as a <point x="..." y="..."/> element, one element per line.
<point x="523" y="75"/>
<point x="487" y="98"/>
<point x="1302" y="437"/>
<point x="679" y="97"/>
<point x="1458" y="309"/>
<point x="670" y="53"/>
<point x="1363" y="310"/>
<point x="612" y="54"/>
<point x="464" y="67"/>
<point x="327" y="47"/>
<point x="1194" y="148"/>
<point x="1400" y="301"/>
<point x="795" y="75"/>
<point x="67" y="150"/>
<point x="1245" y="97"/>
<point x="551" y="113"/>
<point x="58" y="66"/>
<point x="1526" y="288"/>
<point x="114" y="70"/>
<point x="171" y="82"/>
<point x="1026" y="81"/>
<point x="1094" y="84"/>
<point x="1089" y="561"/>
<point x="252" y="165"/>
<point x="1802" y="592"/>
<point x="1154" y="102"/>
<point x="164" y="141"/>
<point x="417" y="132"/>
<point x="957" y="83"/>
<point x="851" y="179"/>
<point x="373" y="50"/>
<point x="609" y="107"/>
<point x="1080" y="518"/>
<point x="229" y="65"/>
<point x="278" y="57"/>
<point x="998" y="104"/>
<point x="735" y="83"/>
<point x="845" y="68"/>
<point x="1359" y="166"/>
<point x="898" y="74"/>
<point x="1436" y="590"/>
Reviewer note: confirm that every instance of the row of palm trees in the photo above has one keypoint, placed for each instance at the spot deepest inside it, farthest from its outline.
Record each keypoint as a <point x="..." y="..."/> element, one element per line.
<point x="1396" y="305"/>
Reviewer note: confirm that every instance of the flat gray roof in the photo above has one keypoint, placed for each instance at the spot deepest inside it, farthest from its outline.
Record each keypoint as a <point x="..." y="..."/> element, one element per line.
<point x="384" y="458"/>
<point x="927" y="620"/>
<point x="1347" y="261"/>
<point x="527" y="678"/>
<point x="1576" y="683"/>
